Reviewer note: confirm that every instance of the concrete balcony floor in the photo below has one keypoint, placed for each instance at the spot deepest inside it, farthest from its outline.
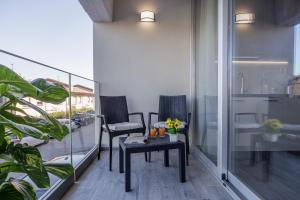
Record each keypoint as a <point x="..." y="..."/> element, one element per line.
<point x="149" y="181"/>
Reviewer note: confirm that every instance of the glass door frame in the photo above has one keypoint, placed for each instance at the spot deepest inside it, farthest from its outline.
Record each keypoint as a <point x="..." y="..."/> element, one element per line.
<point x="221" y="170"/>
<point x="222" y="87"/>
<point x="213" y="168"/>
<point x="225" y="48"/>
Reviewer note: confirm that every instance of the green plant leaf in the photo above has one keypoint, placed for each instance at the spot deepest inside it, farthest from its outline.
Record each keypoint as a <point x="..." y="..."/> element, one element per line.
<point x="7" y="167"/>
<point x="6" y="157"/>
<point x="59" y="131"/>
<point x="62" y="170"/>
<point x="3" y="176"/>
<point x="30" y="161"/>
<point x="16" y="109"/>
<point x="23" y="128"/>
<point x="17" y="83"/>
<point x="15" y="189"/>
<point x="13" y="84"/>
<point x="3" y="142"/>
<point x="37" y="123"/>
<point x="22" y="158"/>
<point x="50" y="92"/>
<point x="3" y="88"/>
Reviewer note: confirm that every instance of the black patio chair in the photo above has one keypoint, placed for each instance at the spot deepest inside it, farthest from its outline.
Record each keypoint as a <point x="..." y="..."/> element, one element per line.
<point x="115" y="121"/>
<point x="173" y="107"/>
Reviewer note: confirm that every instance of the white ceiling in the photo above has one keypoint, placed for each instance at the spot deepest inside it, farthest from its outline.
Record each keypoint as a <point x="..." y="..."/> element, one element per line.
<point x="98" y="10"/>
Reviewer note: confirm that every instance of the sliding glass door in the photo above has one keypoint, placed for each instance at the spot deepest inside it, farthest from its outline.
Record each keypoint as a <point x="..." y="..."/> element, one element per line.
<point x="264" y="98"/>
<point x="206" y="56"/>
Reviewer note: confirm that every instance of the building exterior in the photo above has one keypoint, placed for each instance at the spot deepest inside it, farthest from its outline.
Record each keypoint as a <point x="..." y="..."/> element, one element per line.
<point x="82" y="100"/>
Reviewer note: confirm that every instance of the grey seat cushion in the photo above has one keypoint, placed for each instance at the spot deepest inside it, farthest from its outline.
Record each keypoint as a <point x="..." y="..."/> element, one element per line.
<point x="163" y="124"/>
<point x="248" y="125"/>
<point x="124" y="126"/>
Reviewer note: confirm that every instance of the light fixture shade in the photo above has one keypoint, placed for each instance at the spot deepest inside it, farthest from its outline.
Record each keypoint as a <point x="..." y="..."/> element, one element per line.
<point x="245" y="18"/>
<point x="147" y="16"/>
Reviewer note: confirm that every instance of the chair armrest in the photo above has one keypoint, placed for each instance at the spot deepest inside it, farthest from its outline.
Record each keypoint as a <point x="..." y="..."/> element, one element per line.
<point x="142" y="117"/>
<point x="150" y="120"/>
<point x="136" y="113"/>
<point x="103" y="120"/>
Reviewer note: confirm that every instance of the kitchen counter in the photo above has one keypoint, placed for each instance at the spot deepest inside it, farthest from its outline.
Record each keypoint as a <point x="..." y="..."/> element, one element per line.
<point x="260" y="95"/>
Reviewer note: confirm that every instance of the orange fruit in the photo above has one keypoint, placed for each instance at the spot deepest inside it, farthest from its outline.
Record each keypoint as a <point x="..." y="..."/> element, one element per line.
<point x="162" y="132"/>
<point x="153" y="132"/>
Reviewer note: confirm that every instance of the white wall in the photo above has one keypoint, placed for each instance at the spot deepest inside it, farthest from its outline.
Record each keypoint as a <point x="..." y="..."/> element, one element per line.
<point x="144" y="60"/>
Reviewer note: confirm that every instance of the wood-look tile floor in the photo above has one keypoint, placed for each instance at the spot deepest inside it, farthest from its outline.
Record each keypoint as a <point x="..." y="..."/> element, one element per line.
<point x="149" y="181"/>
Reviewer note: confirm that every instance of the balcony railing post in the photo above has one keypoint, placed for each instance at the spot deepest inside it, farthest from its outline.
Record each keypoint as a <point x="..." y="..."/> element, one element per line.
<point x="70" y="124"/>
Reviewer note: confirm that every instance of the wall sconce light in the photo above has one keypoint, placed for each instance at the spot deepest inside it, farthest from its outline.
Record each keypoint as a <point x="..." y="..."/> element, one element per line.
<point x="245" y="18"/>
<point x="147" y="16"/>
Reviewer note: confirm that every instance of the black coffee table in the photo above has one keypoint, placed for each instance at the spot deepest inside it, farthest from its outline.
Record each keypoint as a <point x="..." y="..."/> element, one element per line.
<point x="154" y="144"/>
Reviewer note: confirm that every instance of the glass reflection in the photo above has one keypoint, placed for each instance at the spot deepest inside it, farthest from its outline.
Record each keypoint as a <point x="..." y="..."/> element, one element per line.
<point x="206" y="105"/>
<point x="265" y="105"/>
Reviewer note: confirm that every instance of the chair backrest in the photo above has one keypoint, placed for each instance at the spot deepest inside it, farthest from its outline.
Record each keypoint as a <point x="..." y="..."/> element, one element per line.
<point x="114" y="108"/>
<point x="173" y="107"/>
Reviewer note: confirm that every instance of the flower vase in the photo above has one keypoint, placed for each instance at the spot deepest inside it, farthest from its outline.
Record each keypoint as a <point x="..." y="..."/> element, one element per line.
<point x="173" y="137"/>
<point x="271" y="137"/>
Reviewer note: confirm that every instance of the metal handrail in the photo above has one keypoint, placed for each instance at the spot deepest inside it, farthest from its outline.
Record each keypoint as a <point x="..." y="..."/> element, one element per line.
<point x="48" y="66"/>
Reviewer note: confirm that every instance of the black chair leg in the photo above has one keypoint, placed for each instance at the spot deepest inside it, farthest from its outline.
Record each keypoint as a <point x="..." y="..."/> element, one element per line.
<point x="187" y="146"/>
<point x="110" y="153"/>
<point x="149" y="159"/>
<point x="146" y="159"/>
<point x="100" y="142"/>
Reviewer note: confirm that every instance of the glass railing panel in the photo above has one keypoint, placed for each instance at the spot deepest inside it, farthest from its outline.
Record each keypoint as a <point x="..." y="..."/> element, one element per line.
<point x="83" y="117"/>
<point x="52" y="150"/>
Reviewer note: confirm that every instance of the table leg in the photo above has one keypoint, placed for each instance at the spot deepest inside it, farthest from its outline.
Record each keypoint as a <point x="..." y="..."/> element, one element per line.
<point x="181" y="153"/>
<point x="166" y="158"/>
<point x="187" y="160"/>
<point x="127" y="171"/>
<point x="121" y="160"/>
<point x="253" y="140"/>
<point x="266" y="164"/>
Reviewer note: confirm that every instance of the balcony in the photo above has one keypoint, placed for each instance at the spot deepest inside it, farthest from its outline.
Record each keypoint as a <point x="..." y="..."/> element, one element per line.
<point x="235" y="62"/>
<point x="93" y="180"/>
<point x="149" y="180"/>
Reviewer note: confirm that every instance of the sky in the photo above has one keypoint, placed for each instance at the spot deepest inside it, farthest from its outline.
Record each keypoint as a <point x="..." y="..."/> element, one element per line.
<point x="56" y="32"/>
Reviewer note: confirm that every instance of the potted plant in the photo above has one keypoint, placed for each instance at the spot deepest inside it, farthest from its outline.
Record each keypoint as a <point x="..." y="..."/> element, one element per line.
<point x="272" y="129"/>
<point x="173" y="127"/>
<point x="22" y="158"/>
